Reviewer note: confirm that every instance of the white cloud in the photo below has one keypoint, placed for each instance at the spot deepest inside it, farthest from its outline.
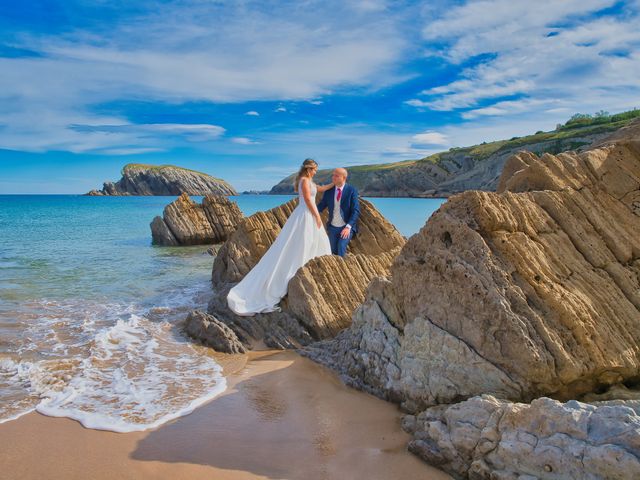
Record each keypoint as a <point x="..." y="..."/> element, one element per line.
<point x="243" y="141"/>
<point x="548" y="56"/>
<point x="188" y="51"/>
<point x="252" y="113"/>
<point x="429" y="138"/>
<point x="127" y="151"/>
<point x="280" y="109"/>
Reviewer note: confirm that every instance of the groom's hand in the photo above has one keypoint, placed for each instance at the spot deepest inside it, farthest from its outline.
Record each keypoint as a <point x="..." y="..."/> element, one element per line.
<point x="345" y="232"/>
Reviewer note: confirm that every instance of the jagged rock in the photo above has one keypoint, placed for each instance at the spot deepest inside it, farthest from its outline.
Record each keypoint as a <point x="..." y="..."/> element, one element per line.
<point x="248" y="243"/>
<point x="322" y="294"/>
<point x="256" y="234"/>
<point x="518" y="295"/>
<point x="141" y="179"/>
<point x="161" y="234"/>
<point x="488" y="438"/>
<point x="223" y="216"/>
<point x="186" y="222"/>
<point x="212" y="332"/>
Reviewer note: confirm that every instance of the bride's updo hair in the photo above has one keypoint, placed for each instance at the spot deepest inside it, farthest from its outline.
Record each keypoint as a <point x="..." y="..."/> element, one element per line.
<point x="305" y="171"/>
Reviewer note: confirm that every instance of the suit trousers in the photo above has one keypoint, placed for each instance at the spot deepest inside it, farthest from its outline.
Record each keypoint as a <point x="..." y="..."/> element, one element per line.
<point x="338" y="244"/>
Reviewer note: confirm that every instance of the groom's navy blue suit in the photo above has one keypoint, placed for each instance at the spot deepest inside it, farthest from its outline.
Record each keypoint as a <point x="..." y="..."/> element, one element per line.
<point x="350" y="211"/>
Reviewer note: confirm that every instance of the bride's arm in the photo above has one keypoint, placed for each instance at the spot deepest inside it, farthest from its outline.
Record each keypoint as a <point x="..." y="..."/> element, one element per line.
<point x="324" y="188"/>
<point x="311" y="204"/>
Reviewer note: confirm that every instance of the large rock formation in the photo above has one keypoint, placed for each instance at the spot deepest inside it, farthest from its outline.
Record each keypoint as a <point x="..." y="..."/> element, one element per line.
<point x="487" y="438"/>
<point x="185" y="222"/>
<point x="514" y="294"/>
<point x="459" y="169"/>
<point x="140" y="179"/>
<point x="532" y="291"/>
<point x="322" y="294"/>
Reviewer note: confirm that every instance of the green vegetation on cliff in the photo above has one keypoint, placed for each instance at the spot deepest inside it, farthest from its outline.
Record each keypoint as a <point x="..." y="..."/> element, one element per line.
<point x="580" y="125"/>
<point x="475" y="167"/>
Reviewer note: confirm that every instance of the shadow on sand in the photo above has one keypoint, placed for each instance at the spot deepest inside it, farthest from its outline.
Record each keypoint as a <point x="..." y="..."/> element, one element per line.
<point x="284" y="416"/>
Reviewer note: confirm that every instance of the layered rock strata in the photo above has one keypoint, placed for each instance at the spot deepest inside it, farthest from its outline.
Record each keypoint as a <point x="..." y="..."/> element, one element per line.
<point x="530" y="292"/>
<point x="322" y="294"/>
<point x="141" y="179"/>
<point x="185" y="222"/>
<point x="211" y="332"/>
<point x="514" y="294"/>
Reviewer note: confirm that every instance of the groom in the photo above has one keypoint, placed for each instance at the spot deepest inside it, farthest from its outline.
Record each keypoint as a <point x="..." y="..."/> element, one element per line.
<point x="344" y="210"/>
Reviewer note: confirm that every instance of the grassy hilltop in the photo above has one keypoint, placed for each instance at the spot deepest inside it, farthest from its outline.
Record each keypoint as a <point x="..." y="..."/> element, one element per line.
<point x="474" y="167"/>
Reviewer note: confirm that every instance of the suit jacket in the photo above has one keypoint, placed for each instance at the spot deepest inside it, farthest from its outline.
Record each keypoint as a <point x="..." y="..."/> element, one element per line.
<point x="349" y="205"/>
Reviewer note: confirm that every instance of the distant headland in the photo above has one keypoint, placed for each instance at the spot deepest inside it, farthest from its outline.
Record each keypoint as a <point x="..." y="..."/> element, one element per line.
<point x="470" y="168"/>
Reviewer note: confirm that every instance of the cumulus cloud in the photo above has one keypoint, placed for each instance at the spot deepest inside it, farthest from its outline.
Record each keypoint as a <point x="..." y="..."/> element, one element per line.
<point x="252" y="113"/>
<point x="429" y="138"/>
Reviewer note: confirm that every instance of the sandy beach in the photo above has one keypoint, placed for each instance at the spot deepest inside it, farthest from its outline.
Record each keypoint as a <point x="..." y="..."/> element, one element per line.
<point x="281" y="417"/>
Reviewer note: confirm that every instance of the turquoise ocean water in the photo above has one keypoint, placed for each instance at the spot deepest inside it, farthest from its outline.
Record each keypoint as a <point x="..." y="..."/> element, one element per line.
<point x="88" y="308"/>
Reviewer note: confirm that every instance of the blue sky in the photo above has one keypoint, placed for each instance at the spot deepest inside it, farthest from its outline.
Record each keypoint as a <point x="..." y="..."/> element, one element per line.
<point x="246" y="90"/>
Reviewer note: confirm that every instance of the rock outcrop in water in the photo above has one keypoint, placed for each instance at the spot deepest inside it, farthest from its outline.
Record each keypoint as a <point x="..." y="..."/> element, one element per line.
<point x="208" y="330"/>
<point x="185" y="222"/>
<point x="322" y="294"/>
<point x="530" y="292"/>
<point x="141" y="179"/>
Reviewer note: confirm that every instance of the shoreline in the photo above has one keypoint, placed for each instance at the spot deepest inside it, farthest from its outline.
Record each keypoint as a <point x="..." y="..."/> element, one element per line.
<point x="281" y="416"/>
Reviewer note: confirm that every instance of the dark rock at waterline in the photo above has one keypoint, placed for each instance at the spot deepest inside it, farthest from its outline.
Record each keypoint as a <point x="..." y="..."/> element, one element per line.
<point x="210" y="331"/>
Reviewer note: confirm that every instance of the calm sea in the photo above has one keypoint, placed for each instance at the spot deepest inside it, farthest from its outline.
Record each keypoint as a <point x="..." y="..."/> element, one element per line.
<point x="88" y="308"/>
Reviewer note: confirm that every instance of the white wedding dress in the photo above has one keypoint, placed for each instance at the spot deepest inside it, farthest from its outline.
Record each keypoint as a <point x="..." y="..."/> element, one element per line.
<point x="299" y="241"/>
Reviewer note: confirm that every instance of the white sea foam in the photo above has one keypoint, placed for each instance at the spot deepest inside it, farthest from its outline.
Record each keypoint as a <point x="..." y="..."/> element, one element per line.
<point x="108" y="367"/>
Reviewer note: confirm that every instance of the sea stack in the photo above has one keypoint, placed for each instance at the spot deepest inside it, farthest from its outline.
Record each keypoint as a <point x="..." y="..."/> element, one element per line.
<point x="185" y="222"/>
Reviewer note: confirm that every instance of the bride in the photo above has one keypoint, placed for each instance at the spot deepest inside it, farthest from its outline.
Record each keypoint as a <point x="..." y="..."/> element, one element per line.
<point x="301" y="239"/>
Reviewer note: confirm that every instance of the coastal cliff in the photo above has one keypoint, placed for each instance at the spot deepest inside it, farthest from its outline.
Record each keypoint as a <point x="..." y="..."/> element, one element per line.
<point x="504" y="299"/>
<point x="470" y="168"/>
<point x="141" y="179"/>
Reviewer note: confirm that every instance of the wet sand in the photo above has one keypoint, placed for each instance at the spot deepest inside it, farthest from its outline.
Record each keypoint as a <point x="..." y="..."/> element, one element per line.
<point x="281" y="417"/>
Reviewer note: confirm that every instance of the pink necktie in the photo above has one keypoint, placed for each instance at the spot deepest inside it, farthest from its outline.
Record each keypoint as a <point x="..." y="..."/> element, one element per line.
<point x="339" y="194"/>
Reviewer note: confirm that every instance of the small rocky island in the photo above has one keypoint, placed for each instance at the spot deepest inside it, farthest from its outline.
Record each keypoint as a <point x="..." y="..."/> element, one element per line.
<point x="143" y="179"/>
